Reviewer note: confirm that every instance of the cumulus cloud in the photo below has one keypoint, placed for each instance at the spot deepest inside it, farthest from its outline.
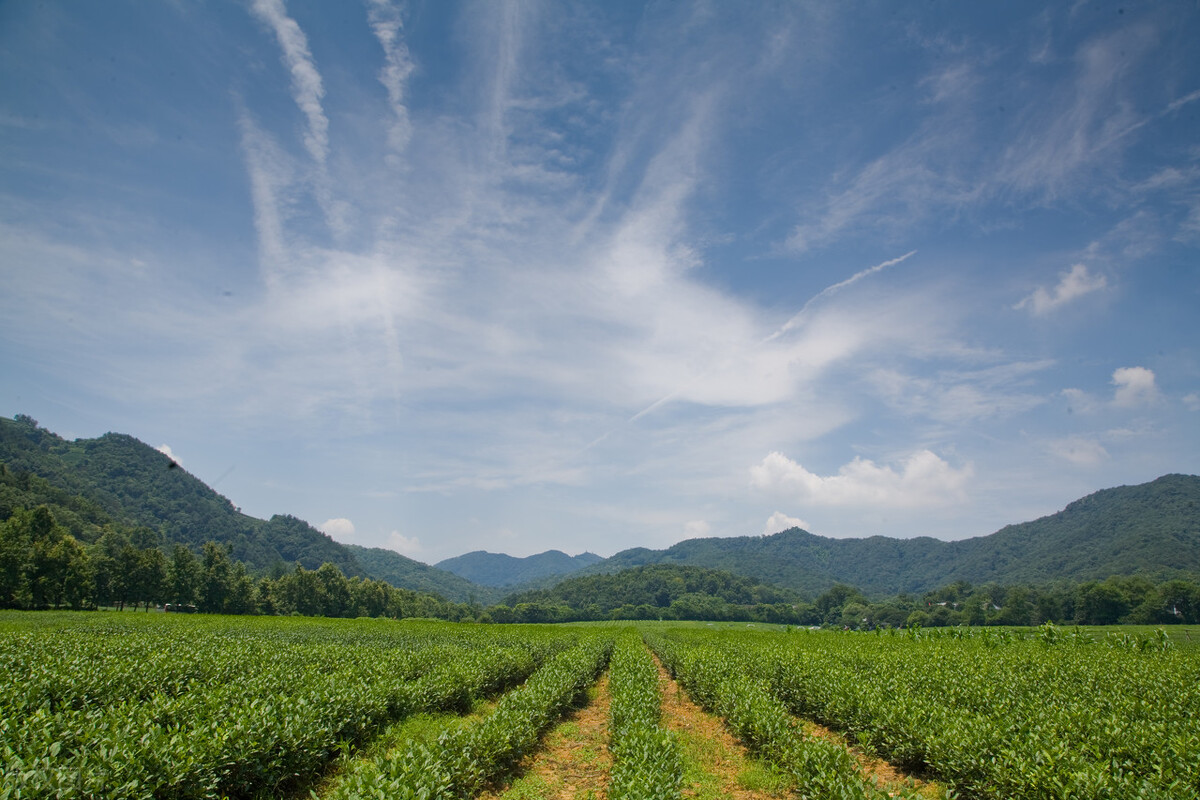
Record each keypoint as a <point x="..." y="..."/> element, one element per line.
<point x="405" y="545"/>
<point x="1074" y="283"/>
<point x="780" y="521"/>
<point x="697" y="527"/>
<point x="165" y="449"/>
<point x="339" y="528"/>
<point x="1135" y="386"/>
<point x="924" y="480"/>
<point x="1079" y="450"/>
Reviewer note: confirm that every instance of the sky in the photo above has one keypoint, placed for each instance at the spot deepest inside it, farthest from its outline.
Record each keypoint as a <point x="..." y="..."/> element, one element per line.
<point x="512" y="276"/>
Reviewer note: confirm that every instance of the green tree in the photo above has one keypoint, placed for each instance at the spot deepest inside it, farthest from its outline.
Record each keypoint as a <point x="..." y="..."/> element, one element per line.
<point x="241" y="598"/>
<point x="335" y="591"/>
<point x="148" y="582"/>
<point x="184" y="577"/>
<point x="216" y="577"/>
<point x="1099" y="604"/>
<point x="109" y="577"/>
<point x="16" y="553"/>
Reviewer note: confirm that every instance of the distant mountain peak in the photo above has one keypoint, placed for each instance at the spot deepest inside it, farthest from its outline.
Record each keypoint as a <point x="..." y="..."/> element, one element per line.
<point x="501" y="570"/>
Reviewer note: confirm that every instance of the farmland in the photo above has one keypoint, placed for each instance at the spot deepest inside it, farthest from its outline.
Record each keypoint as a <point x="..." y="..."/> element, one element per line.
<point x="150" y="706"/>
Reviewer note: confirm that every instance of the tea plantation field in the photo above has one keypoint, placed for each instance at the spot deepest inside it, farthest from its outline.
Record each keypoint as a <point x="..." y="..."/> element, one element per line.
<point x="108" y="705"/>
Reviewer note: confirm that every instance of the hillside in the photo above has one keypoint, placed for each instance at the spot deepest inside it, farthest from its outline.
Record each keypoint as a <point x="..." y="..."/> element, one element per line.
<point x="657" y="586"/>
<point x="500" y="570"/>
<point x="1152" y="529"/>
<point x="115" y="478"/>
<point x="388" y="565"/>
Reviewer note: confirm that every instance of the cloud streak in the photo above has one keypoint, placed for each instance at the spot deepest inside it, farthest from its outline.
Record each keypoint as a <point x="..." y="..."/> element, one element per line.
<point x="1074" y="283"/>
<point x="307" y="87"/>
<point x="388" y="26"/>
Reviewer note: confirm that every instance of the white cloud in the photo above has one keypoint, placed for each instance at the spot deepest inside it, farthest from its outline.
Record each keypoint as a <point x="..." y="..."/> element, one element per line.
<point x="1081" y="401"/>
<point x="338" y="528"/>
<point x="388" y="28"/>
<point x="1086" y="121"/>
<point x="924" y="480"/>
<point x="1074" y="283"/>
<point x="1135" y="386"/>
<point x="307" y="87"/>
<point x="1192" y="401"/>
<point x="696" y="528"/>
<point x="957" y="397"/>
<point x="781" y="522"/>
<point x="1079" y="450"/>
<point x="405" y="545"/>
<point x="165" y="449"/>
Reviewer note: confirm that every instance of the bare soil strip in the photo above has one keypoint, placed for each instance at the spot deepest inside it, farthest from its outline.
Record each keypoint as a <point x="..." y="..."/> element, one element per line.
<point x="718" y="766"/>
<point x="573" y="761"/>
<point x="883" y="773"/>
<point x="742" y="777"/>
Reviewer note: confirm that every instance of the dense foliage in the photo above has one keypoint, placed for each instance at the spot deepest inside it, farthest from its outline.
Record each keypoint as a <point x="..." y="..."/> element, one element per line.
<point x="646" y="756"/>
<point x="463" y="762"/>
<point x="993" y="715"/>
<point x="666" y="592"/>
<point x="687" y="592"/>
<point x="42" y="565"/>
<point x="728" y="683"/>
<point x="127" y="706"/>
<point x="157" y="706"/>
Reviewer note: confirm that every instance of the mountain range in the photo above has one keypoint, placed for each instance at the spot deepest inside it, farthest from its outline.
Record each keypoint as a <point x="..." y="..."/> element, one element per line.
<point x="1151" y="529"/>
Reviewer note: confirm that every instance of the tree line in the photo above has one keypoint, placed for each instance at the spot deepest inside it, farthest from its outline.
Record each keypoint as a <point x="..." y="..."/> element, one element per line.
<point x="42" y="565"/>
<point x="1118" y="600"/>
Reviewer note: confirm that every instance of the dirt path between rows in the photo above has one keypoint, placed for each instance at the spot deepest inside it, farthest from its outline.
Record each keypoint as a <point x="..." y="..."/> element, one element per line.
<point x="573" y="760"/>
<point x="727" y="765"/>
<point x="733" y="766"/>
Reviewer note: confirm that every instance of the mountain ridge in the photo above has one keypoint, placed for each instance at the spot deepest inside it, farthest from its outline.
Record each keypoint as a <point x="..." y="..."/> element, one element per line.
<point x="501" y="570"/>
<point x="1151" y="529"/>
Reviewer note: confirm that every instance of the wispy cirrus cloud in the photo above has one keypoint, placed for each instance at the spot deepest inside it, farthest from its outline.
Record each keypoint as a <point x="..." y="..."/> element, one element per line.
<point x="1082" y="451"/>
<point x="1074" y="283"/>
<point x="388" y="26"/>
<point x="308" y="92"/>
<point x="307" y="87"/>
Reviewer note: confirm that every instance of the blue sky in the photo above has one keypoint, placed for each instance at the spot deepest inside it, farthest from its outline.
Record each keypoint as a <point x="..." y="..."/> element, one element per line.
<point x="512" y="276"/>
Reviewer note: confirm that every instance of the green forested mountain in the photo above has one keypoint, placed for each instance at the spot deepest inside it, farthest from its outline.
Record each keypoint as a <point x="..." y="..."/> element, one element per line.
<point x="500" y="570"/>
<point x="131" y="483"/>
<point x="1152" y="529"/>
<point x="117" y="480"/>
